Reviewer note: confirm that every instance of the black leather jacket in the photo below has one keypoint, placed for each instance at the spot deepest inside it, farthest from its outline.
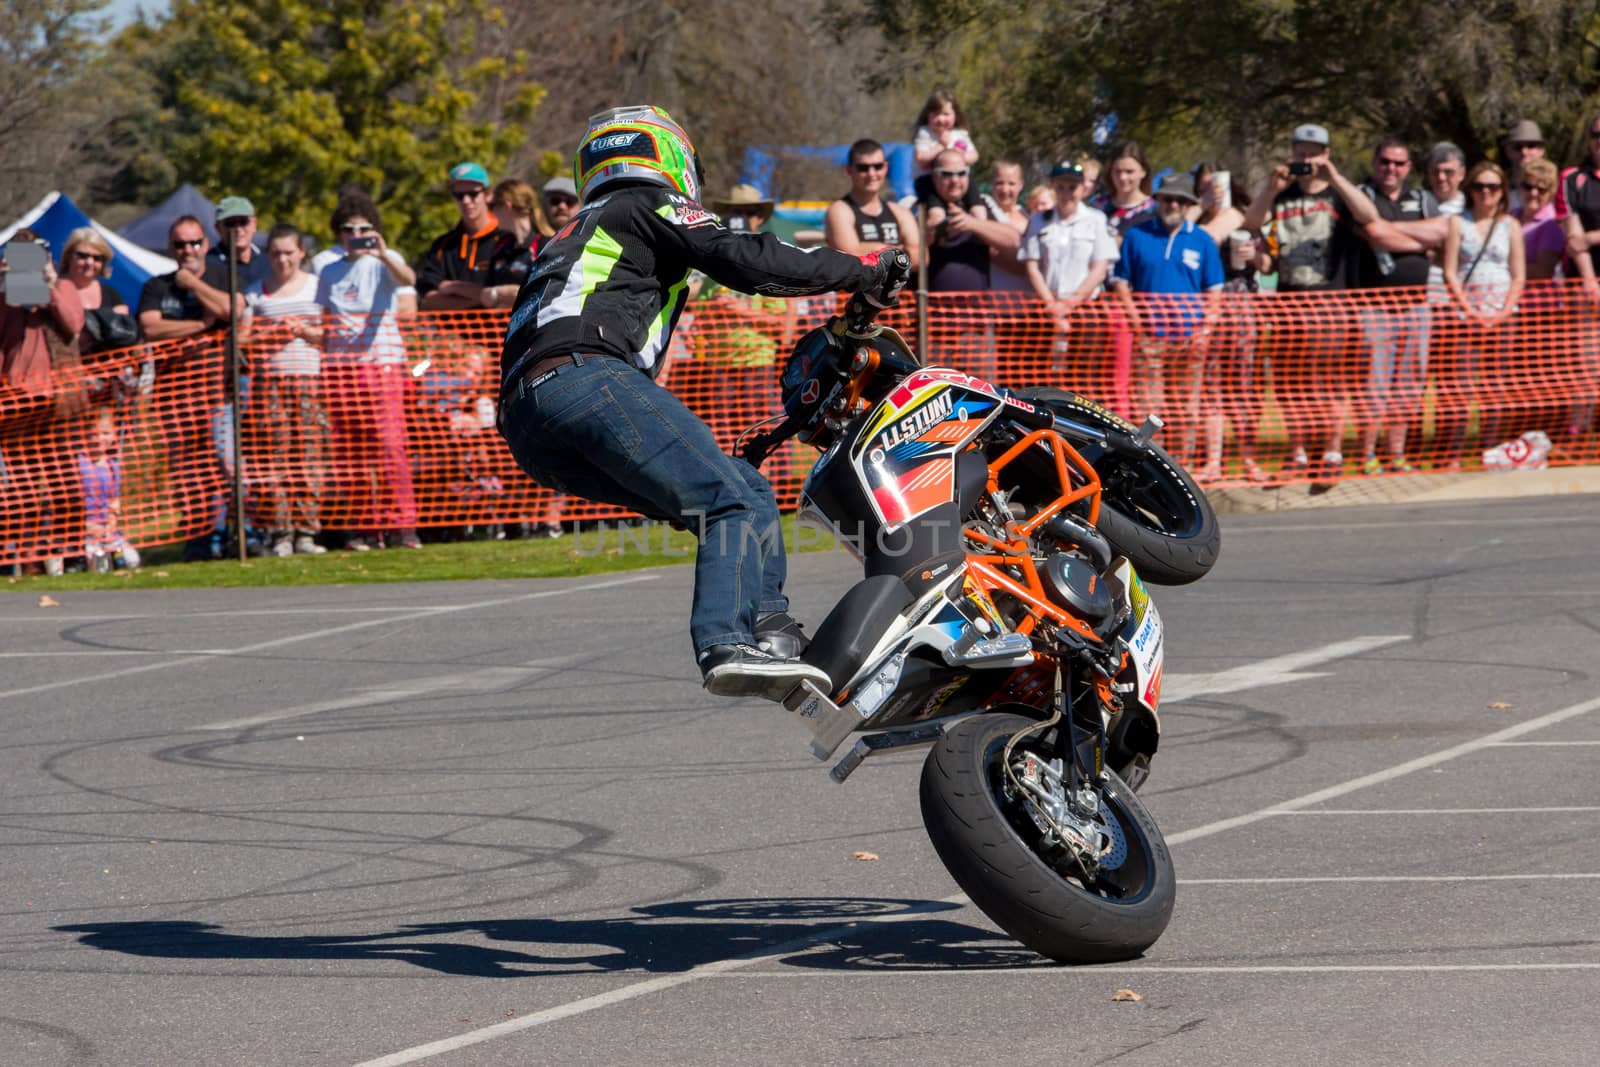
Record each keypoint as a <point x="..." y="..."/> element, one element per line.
<point x="615" y="279"/>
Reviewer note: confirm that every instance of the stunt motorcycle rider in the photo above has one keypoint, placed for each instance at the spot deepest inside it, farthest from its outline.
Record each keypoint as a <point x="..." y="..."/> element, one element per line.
<point x="580" y="409"/>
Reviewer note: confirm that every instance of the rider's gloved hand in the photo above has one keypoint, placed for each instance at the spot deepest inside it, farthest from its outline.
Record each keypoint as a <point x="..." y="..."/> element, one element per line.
<point x="894" y="270"/>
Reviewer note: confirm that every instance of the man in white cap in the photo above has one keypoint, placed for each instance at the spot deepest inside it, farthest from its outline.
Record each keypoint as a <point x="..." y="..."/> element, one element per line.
<point x="1315" y="211"/>
<point x="560" y="201"/>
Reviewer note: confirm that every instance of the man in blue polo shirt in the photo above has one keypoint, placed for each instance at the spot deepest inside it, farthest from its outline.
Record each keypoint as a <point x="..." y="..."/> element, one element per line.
<point x="1177" y="265"/>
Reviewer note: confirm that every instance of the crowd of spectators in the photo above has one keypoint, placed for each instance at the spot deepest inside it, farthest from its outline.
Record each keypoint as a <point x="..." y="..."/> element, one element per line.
<point x="1142" y="280"/>
<point x="324" y="370"/>
<point x="1453" y="252"/>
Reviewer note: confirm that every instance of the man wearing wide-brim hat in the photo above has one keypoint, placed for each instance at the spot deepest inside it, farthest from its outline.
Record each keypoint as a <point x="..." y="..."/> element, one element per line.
<point x="744" y="208"/>
<point x="1524" y="141"/>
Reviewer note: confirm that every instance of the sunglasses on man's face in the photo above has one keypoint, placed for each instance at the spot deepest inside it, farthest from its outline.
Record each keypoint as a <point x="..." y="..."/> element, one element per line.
<point x="952" y="173"/>
<point x="872" y="168"/>
<point x="560" y="200"/>
<point x="196" y="243"/>
<point x="466" y="194"/>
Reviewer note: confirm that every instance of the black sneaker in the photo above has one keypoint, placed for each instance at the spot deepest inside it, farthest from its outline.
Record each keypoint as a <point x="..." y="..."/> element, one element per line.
<point x="748" y="671"/>
<point x="780" y="634"/>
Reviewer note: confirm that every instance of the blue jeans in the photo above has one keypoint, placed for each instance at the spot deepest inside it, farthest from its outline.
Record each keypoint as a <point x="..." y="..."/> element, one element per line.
<point x="601" y="429"/>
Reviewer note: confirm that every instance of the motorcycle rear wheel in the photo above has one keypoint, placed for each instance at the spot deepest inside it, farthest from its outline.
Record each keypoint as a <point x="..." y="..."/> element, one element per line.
<point x="1151" y="510"/>
<point x="994" y="850"/>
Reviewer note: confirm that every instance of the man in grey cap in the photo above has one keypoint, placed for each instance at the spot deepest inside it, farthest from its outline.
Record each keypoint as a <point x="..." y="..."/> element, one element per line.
<point x="1315" y="211"/>
<point x="560" y="201"/>
<point x="1171" y="256"/>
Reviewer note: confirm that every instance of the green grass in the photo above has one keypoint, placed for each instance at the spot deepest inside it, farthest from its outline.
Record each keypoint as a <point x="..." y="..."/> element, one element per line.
<point x="592" y="551"/>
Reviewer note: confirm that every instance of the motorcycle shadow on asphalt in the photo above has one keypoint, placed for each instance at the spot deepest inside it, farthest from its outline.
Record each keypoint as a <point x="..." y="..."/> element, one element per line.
<point x="832" y="933"/>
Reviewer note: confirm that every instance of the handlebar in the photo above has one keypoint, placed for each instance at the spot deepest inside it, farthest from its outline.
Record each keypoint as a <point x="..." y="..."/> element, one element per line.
<point x="862" y="308"/>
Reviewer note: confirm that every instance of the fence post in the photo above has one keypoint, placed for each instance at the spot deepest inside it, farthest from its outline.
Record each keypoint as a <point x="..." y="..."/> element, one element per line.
<point x="233" y="387"/>
<point x="922" y="307"/>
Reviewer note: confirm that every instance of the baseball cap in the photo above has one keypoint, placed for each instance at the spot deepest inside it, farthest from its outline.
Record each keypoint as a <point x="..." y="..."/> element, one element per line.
<point x="1066" y="169"/>
<point x="234" y="207"/>
<point x="469" y="172"/>
<point x="561" y="184"/>
<point x="1310" y="133"/>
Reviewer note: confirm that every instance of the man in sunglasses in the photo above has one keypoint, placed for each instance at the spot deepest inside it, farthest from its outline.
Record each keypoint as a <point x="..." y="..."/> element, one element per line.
<point x="1395" y="330"/>
<point x="475" y="253"/>
<point x="960" y="233"/>
<point x="864" y="221"/>
<point x="191" y="299"/>
<point x="185" y="303"/>
<point x="560" y="201"/>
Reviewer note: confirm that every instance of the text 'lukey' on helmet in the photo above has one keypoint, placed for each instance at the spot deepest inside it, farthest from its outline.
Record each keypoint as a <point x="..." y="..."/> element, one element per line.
<point x="638" y="143"/>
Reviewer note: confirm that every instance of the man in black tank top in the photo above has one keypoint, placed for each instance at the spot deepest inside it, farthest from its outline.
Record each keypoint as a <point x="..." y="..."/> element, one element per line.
<point x="863" y="222"/>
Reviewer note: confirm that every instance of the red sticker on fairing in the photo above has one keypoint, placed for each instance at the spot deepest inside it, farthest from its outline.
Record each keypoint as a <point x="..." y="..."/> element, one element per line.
<point x="812" y="390"/>
<point x="1152" y="690"/>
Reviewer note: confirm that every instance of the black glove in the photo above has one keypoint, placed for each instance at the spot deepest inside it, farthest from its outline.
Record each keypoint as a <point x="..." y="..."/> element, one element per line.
<point x="893" y="268"/>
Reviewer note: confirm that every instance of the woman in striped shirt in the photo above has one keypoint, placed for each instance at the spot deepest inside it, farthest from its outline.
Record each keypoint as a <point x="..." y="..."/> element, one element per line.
<point x="284" y="321"/>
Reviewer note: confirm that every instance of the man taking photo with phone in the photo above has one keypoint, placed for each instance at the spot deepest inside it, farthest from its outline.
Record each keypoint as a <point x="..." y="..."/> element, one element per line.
<point x="1314" y="211"/>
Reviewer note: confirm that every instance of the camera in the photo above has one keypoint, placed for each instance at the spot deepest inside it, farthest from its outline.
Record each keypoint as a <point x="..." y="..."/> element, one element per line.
<point x="363" y="242"/>
<point x="1299" y="169"/>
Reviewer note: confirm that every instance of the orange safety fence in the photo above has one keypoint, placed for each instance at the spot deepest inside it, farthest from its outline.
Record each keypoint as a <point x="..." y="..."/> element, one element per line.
<point x="137" y="443"/>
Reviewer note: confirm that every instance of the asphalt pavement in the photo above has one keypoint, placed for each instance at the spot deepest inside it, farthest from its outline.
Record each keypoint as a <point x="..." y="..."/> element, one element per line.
<point x="498" y="822"/>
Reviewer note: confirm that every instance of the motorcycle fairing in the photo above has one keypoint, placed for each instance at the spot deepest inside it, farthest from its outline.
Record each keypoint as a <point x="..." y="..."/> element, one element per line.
<point x="905" y="455"/>
<point x="1142" y="634"/>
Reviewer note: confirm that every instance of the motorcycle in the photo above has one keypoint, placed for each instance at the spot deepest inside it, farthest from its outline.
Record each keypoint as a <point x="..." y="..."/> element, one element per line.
<point x="1003" y="620"/>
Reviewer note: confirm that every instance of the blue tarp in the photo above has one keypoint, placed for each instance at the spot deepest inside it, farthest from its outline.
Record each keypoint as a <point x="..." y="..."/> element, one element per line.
<point x="150" y="231"/>
<point x="761" y="160"/>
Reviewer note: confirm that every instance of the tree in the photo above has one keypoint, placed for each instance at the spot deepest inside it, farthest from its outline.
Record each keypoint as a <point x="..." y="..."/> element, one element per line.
<point x="283" y="101"/>
<point x="734" y="77"/>
<point x="48" y="107"/>
<point x="1230" y="80"/>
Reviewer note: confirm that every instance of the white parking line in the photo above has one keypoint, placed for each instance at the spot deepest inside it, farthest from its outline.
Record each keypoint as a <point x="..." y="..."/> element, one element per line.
<point x="316" y="635"/>
<point x="1466" y="748"/>
<point x="1093" y="970"/>
<point x="247" y="613"/>
<point x="1440" y="811"/>
<point x="1544" y="744"/>
<point x="1275" y="671"/>
<point x="477" y="680"/>
<point x="1235" y="529"/>
<point x="1311" y="878"/>
<point x="721" y="968"/>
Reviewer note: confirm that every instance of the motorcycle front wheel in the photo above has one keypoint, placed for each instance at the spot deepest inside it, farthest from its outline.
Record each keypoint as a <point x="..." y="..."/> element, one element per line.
<point x="1151" y="510"/>
<point x="998" y="853"/>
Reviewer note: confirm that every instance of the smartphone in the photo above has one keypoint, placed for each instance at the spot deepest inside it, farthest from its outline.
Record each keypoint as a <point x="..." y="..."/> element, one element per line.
<point x="359" y="243"/>
<point x="25" y="286"/>
<point x="1300" y="169"/>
